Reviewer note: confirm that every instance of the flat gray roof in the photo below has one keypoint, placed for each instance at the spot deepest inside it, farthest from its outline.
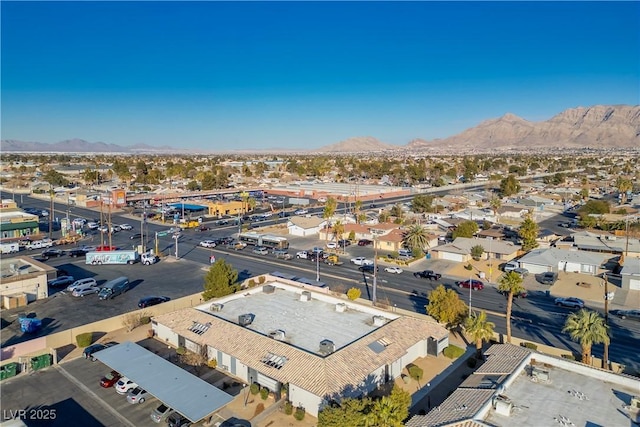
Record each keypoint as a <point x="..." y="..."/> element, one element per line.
<point x="187" y="394"/>
<point x="305" y="323"/>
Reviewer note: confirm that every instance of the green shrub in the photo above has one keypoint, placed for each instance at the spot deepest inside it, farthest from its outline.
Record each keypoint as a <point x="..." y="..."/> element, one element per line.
<point x="254" y="389"/>
<point x="299" y="414"/>
<point x="213" y="363"/>
<point x="252" y="283"/>
<point x="145" y="320"/>
<point x="453" y="351"/>
<point x="354" y="294"/>
<point x="264" y="393"/>
<point x="261" y="279"/>
<point x="181" y="351"/>
<point x="468" y="267"/>
<point x="530" y="345"/>
<point x="415" y="372"/>
<point x="471" y="362"/>
<point x="84" y="340"/>
<point x="288" y="408"/>
<point x="394" y="254"/>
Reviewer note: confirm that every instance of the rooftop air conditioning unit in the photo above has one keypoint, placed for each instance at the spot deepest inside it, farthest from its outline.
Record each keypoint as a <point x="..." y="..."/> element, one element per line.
<point x="305" y="296"/>
<point x="503" y="405"/>
<point x="245" y="319"/>
<point x="327" y="347"/>
<point x="268" y="289"/>
<point x="378" y="321"/>
<point x="278" y="334"/>
<point x="216" y="307"/>
<point x="341" y="307"/>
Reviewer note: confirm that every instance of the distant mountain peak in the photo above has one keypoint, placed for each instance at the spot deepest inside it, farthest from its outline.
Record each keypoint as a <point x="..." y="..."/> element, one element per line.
<point x="358" y="144"/>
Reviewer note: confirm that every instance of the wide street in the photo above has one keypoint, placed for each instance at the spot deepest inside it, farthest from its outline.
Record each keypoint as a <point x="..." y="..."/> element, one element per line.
<point x="535" y="318"/>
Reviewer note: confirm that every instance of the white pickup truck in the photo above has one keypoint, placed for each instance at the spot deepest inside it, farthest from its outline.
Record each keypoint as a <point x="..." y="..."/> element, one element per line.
<point x="39" y="244"/>
<point x="302" y="255"/>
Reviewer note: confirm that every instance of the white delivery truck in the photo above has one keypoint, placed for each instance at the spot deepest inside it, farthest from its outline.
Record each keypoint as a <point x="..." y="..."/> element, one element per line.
<point x="9" y="248"/>
<point x="119" y="257"/>
<point x="39" y="244"/>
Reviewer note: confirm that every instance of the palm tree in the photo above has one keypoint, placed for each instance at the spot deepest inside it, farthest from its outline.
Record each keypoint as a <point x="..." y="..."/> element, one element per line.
<point x="338" y="230"/>
<point x="480" y="330"/>
<point x="416" y="237"/>
<point x="623" y="185"/>
<point x="357" y="206"/>
<point x="511" y="284"/>
<point x="329" y="209"/>
<point x="495" y="204"/>
<point x="587" y="327"/>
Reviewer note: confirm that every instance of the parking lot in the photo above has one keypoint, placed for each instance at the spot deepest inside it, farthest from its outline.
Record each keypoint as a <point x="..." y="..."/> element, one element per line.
<point x="70" y="395"/>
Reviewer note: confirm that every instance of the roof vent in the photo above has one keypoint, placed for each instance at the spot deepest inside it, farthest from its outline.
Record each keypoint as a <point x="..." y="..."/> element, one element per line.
<point x="216" y="306"/>
<point x="341" y="307"/>
<point x="503" y="405"/>
<point x="378" y="321"/>
<point x="327" y="347"/>
<point x="245" y="319"/>
<point x="305" y="296"/>
<point x="268" y="289"/>
<point x="278" y="334"/>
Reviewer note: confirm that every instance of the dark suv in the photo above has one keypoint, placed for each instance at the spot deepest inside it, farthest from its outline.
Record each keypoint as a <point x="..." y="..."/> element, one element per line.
<point x="548" y="278"/>
<point x="177" y="420"/>
<point x="428" y="274"/>
<point x="368" y="268"/>
<point x="365" y="242"/>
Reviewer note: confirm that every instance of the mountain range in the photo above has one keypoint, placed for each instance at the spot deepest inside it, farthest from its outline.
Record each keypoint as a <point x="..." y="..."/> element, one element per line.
<point x="599" y="126"/>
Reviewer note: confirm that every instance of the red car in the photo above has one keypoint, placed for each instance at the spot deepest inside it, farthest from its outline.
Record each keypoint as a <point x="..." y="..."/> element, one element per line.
<point x="106" y="248"/>
<point x="110" y="379"/>
<point x="365" y="242"/>
<point x="476" y="285"/>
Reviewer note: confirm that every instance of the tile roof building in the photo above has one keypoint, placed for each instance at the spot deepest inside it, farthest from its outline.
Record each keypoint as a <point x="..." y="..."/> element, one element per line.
<point x="324" y="348"/>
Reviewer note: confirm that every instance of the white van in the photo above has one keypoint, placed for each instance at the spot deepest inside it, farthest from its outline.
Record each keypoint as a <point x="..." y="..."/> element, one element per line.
<point x="405" y="253"/>
<point x="9" y="248"/>
<point x="39" y="244"/>
<point x="82" y="282"/>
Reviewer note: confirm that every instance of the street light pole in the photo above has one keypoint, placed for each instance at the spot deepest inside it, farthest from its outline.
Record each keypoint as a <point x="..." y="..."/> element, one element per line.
<point x="374" y="295"/>
<point x="607" y="297"/>
<point x="175" y="236"/>
<point x="317" y="266"/>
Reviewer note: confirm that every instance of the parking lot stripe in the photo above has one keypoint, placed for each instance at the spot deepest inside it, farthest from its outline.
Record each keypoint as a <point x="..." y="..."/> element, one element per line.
<point x="95" y="397"/>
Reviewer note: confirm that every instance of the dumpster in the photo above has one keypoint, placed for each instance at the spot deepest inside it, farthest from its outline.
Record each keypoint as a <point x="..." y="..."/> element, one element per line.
<point x="9" y="370"/>
<point x="40" y="362"/>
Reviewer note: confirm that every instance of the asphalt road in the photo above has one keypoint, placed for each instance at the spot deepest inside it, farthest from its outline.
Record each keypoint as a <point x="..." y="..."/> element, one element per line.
<point x="534" y="318"/>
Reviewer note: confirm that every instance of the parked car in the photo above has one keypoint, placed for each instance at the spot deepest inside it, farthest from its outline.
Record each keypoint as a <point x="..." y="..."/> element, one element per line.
<point x="208" y="244"/>
<point x="548" y="278"/>
<point x="522" y="272"/>
<point x="137" y="395"/>
<point x="161" y="413"/>
<point x="110" y="379"/>
<point x="627" y="314"/>
<point x="88" y="281"/>
<point x="344" y="243"/>
<point x="570" y="302"/>
<point x="94" y="348"/>
<point x="61" y="281"/>
<point x="428" y="274"/>
<point x="105" y="248"/>
<point x="302" y="255"/>
<point x="52" y="253"/>
<point x="361" y="261"/>
<point x="510" y="266"/>
<point x="83" y="291"/>
<point x="365" y="242"/>
<point x="368" y="268"/>
<point x="260" y="250"/>
<point x="394" y="270"/>
<point x="74" y="253"/>
<point x="332" y="245"/>
<point x="236" y="246"/>
<point x="149" y="301"/>
<point x="476" y="285"/>
<point x="177" y="420"/>
<point x="124" y="384"/>
<point x="301" y="212"/>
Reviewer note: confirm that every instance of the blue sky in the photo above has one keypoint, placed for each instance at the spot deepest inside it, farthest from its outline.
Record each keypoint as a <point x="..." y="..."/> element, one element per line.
<point x="301" y="75"/>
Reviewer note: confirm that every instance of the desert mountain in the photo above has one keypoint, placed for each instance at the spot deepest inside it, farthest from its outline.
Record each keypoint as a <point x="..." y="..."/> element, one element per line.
<point x="358" y="144"/>
<point x="78" y="146"/>
<point x="599" y="126"/>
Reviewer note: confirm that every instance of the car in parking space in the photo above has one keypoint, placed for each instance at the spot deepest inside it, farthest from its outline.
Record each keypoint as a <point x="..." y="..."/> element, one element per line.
<point x="52" y="253"/>
<point x="89" y="352"/>
<point x="77" y="252"/>
<point x="368" y="268"/>
<point x="110" y="379"/>
<point x="124" y="385"/>
<point x="344" y="243"/>
<point x="260" y="250"/>
<point x="126" y="227"/>
<point x="393" y="270"/>
<point x="510" y="266"/>
<point x="61" y="281"/>
<point x="332" y="245"/>
<point x="627" y="314"/>
<point x="137" y="395"/>
<point x="548" y="278"/>
<point x="301" y="212"/>
<point x="154" y="300"/>
<point x="208" y="244"/>
<point x="522" y="272"/>
<point x="84" y="291"/>
<point x="365" y="242"/>
<point x="177" y="420"/>
<point x="570" y="302"/>
<point x="161" y="413"/>
<point x="87" y="281"/>
<point x="476" y="285"/>
<point x="105" y="248"/>
<point x="361" y="261"/>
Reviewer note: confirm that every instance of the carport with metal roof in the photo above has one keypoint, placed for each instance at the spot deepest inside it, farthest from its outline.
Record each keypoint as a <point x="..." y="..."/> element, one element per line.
<point x="185" y="393"/>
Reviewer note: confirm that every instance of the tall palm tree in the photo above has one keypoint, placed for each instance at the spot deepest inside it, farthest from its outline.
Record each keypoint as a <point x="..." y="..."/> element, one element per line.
<point x="587" y="327"/>
<point x="338" y="230"/>
<point x="511" y="284"/>
<point x="480" y="330"/>
<point x="329" y="209"/>
<point x="495" y="204"/>
<point x="357" y="206"/>
<point x="416" y="237"/>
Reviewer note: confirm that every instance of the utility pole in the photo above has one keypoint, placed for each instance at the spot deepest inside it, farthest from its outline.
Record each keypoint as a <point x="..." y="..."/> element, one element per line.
<point x="374" y="296"/>
<point x="51" y="213"/>
<point x="109" y="229"/>
<point x="607" y="297"/>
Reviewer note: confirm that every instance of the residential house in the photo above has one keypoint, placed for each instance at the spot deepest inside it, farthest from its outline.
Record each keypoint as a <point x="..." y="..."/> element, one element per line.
<point x="460" y="249"/>
<point x="554" y="259"/>
<point x="515" y="211"/>
<point x="630" y="275"/>
<point x="305" y="226"/>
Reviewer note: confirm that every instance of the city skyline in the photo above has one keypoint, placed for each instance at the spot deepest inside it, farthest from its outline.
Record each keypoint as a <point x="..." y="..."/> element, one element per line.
<point x="302" y="75"/>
